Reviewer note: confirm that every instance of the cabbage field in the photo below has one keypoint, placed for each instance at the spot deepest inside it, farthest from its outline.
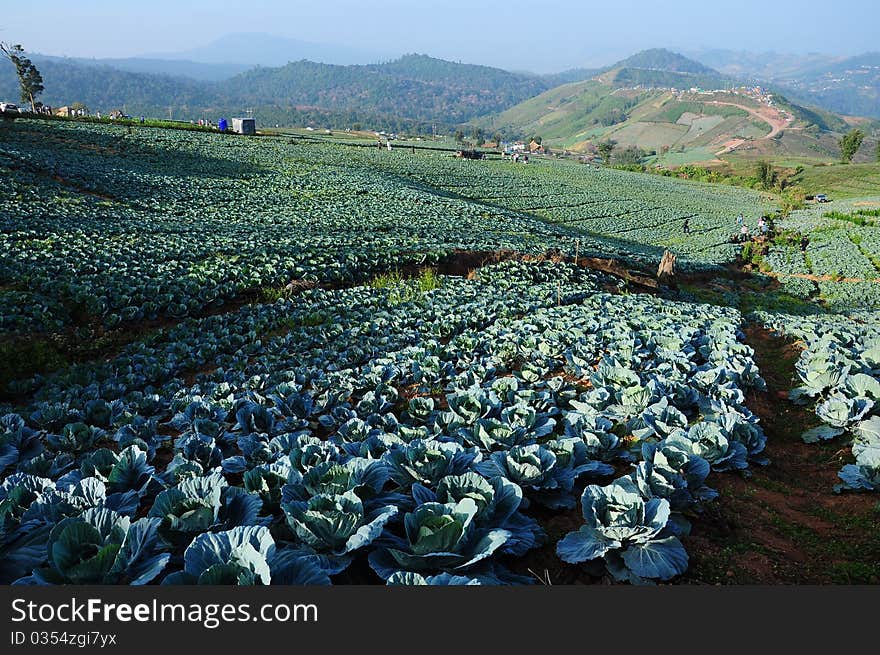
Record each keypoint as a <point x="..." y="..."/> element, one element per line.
<point x="264" y="361"/>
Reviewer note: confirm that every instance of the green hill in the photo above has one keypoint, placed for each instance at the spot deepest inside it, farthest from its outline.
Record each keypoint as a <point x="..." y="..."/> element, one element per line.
<point x="415" y="86"/>
<point x="665" y="60"/>
<point x="674" y="126"/>
<point x="414" y="90"/>
<point x="571" y="110"/>
<point x="656" y="67"/>
<point x="654" y="78"/>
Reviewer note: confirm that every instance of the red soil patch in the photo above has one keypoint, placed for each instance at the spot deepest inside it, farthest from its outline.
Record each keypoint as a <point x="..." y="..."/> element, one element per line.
<point x="784" y="524"/>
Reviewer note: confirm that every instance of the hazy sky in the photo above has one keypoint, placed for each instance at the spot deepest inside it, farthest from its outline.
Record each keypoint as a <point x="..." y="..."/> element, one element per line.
<point x="538" y="35"/>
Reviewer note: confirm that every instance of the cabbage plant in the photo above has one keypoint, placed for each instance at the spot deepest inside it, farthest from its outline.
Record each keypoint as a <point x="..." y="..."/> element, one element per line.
<point x="628" y="532"/>
<point x="244" y="556"/>
<point x="101" y="547"/>
<point x="426" y="461"/>
<point x="498" y="503"/>
<point x="538" y="471"/>
<point x="336" y="525"/>
<point x="440" y="537"/>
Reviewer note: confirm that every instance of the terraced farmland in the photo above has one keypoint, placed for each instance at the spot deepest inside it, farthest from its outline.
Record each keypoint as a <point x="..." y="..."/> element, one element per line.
<point x="265" y="361"/>
<point x="599" y="201"/>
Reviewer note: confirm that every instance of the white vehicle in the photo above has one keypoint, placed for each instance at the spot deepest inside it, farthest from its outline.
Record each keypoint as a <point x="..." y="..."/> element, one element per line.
<point x="8" y="108"/>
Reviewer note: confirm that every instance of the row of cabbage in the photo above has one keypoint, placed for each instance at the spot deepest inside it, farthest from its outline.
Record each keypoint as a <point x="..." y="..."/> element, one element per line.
<point x="647" y="210"/>
<point x="139" y="226"/>
<point x="833" y="252"/>
<point x="835" y="248"/>
<point x="342" y="432"/>
<point x="789" y="260"/>
<point x="838" y="374"/>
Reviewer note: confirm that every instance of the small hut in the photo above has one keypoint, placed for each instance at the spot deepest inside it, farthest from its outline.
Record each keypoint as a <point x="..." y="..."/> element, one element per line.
<point x="244" y="126"/>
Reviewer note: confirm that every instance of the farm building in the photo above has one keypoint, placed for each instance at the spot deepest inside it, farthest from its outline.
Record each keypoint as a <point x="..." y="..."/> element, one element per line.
<point x="244" y="126"/>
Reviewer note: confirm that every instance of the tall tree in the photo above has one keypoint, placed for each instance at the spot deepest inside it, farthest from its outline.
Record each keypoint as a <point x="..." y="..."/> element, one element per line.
<point x="765" y="174"/>
<point x="605" y="149"/>
<point x="629" y="156"/>
<point x="29" y="79"/>
<point x="850" y="144"/>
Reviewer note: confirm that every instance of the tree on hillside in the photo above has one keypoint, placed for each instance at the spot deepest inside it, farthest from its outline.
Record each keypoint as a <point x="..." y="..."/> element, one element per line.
<point x="459" y="136"/>
<point x="30" y="81"/>
<point x="477" y="135"/>
<point x="629" y="156"/>
<point x="878" y="151"/>
<point x="850" y="144"/>
<point x="765" y="174"/>
<point x="497" y="138"/>
<point x="605" y="148"/>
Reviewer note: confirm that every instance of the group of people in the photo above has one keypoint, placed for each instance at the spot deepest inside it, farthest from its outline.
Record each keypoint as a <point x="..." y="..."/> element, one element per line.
<point x="745" y="235"/>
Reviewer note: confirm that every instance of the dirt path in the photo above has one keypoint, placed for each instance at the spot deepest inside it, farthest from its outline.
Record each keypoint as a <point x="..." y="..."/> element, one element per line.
<point x="784" y="524"/>
<point x="773" y="117"/>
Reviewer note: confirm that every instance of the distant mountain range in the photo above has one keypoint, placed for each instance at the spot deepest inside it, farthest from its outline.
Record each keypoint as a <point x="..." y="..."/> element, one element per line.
<point x="413" y="92"/>
<point x="195" y="70"/>
<point x="846" y="85"/>
<point x="256" y="48"/>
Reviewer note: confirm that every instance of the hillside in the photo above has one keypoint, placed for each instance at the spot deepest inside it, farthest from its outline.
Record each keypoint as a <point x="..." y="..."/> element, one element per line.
<point x="656" y="67"/>
<point x="402" y="93"/>
<point x="623" y="76"/>
<point x="415" y="86"/>
<point x="676" y="126"/>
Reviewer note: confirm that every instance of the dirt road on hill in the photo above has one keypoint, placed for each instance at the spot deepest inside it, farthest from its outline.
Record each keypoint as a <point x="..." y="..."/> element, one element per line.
<point x="770" y="115"/>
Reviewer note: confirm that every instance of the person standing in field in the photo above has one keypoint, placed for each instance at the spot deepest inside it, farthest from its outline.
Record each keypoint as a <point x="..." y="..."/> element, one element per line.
<point x="686" y="226"/>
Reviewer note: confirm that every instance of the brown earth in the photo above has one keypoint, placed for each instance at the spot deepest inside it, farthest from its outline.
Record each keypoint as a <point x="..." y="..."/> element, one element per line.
<point x="784" y="524"/>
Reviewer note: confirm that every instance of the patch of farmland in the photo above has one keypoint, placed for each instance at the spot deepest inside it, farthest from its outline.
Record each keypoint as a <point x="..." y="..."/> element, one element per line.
<point x="394" y="407"/>
<point x="651" y="136"/>
<point x="622" y="200"/>
<point x="700" y="127"/>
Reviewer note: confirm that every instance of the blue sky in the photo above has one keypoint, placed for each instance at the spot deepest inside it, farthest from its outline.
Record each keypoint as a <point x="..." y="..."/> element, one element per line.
<point x="540" y="35"/>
